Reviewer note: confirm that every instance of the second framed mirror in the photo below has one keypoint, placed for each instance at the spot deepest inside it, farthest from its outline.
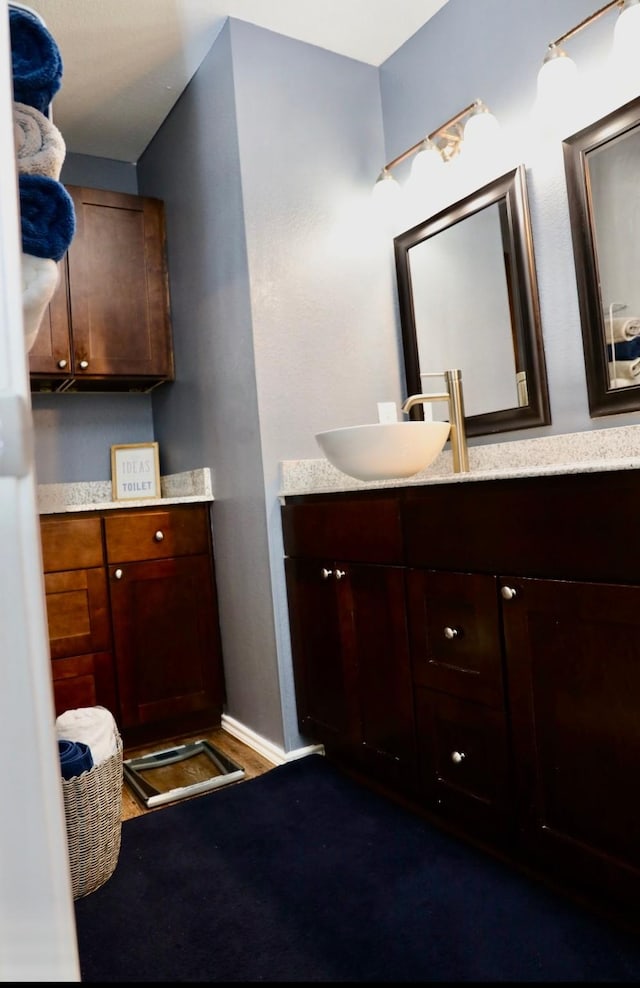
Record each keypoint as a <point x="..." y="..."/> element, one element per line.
<point x="468" y="298"/>
<point x="601" y="166"/>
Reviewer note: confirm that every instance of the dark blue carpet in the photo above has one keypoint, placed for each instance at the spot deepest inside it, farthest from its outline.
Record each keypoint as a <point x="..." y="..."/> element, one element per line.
<point x="303" y="875"/>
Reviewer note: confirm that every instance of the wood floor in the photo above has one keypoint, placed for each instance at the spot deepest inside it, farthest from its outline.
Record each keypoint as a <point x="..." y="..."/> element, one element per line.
<point x="252" y="763"/>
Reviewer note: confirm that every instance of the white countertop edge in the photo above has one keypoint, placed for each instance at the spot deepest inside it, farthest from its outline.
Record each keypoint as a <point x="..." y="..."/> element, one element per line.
<point x="582" y="452"/>
<point x="179" y="488"/>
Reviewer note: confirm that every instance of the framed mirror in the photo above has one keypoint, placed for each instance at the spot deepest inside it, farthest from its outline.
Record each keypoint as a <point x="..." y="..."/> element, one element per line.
<point x="468" y="298"/>
<point x="601" y="167"/>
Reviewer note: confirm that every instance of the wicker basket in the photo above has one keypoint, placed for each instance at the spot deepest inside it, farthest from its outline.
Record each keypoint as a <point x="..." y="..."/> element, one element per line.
<point x="93" y="810"/>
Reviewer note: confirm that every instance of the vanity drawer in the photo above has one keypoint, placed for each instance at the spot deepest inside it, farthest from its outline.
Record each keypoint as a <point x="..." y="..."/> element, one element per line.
<point x="70" y="543"/>
<point x="454" y="626"/>
<point x="179" y="531"/>
<point x="464" y="761"/>
<point x="350" y="529"/>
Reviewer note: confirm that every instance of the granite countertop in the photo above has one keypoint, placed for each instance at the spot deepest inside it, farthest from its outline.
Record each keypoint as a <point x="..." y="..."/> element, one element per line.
<point x="578" y="452"/>
<point x="175" y="488"/>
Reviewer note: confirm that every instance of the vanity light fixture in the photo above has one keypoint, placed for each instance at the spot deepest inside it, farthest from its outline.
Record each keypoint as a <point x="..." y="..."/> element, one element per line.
<point x="472" y="124"/>
<point x="557" y="78"/>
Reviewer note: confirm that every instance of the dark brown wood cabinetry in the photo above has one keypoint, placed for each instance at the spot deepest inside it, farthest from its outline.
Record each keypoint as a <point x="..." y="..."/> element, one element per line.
<point x="349" y="634"/>
<point x="523" y="615"/>
<point x="133" y="619"/>
<point x="108" y="326"/>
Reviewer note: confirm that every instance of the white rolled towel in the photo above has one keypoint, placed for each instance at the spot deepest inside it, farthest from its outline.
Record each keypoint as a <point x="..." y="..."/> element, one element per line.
<point x="40" y="147"/>
<point x="625" y="370"/>
<point x="621" y="330"/>
<point x="95" y="726"/>
<point x="39" y="281"/>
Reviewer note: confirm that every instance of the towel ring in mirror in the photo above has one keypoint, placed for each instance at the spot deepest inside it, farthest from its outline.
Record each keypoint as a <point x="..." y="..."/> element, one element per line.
<point x="601" y="169"/>
<point x="468" y="298"/>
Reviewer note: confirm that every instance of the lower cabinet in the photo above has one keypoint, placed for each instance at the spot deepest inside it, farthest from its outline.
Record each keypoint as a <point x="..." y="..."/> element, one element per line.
<point x="518" y="715"/>
<point x="350" y="640"/>
<point x="133" y="621"/>
<point x="574" y="697"/>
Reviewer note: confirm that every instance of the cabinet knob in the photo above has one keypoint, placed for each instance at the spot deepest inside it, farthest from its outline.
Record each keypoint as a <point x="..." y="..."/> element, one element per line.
<point x="83" y="364"/>
<point x="340" y="573"/>
<point x="326" y="573"/>
<point x="457" y="756"/>
<point x="159" y="536"/>
<point x="508" y="593"/>
<point x="62" y="364"/>
<point x="451" y="633"/>
<point x="118" y="574"/>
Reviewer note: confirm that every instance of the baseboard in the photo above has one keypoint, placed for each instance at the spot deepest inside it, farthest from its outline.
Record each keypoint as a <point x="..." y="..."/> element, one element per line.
<point x="272" y="752"/>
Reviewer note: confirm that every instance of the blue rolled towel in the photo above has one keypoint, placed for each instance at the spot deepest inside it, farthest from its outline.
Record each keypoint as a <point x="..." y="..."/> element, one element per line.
<point x="47" y="217"/>
<point x="628" y="350"/>
<point x="35" y="60"/>
<point x="75" y="758"/>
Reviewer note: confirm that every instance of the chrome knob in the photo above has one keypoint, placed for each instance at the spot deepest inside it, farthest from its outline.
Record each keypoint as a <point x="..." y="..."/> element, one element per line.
<point x="118" y="574"/>
<point x="62" y="364"/>
<point x="340" y="573"/>
<point x="508" y="593"/>
<point x="159" y="536"/>
<point x="457" y="756"/>
<point x="326" y="573"/>
<point x="83" y="364"/>
<point x="450" y="633"/>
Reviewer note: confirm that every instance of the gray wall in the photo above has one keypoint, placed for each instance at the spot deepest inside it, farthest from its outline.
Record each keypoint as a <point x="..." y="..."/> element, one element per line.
<point x="283" y="293"/>
<point x="276" y="302"/>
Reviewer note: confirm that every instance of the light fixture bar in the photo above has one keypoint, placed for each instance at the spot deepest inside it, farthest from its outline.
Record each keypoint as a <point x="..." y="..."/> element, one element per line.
<point x="439" y="132"/>
<point x="588" y="20"/>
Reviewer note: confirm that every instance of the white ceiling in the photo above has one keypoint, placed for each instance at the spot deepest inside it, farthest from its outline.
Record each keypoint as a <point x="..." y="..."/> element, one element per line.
<point x="126" y="62"/>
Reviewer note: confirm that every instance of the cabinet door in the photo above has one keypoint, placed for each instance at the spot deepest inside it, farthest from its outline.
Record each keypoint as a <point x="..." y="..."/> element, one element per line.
<point x="50" y="355"/>
<point x="167" y="649"/>
<point x="375" y="636"/>
<point x="118" y="287"/>
<point x="325" y="684"/>
<point x="351" y="663"/>
<point x="573" y="667"/>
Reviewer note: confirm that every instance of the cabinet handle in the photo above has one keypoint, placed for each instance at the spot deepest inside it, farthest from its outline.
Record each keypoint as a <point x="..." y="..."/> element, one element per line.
<point x="118" y="574"/>
<point x="340" y="573"/>
<point x="159" y="536"/>
<point x="326" y="573"/>
<point x="62" y="364"/>
<point x="451" y="632"/>
<point x="457" y="756"/>
<point x="508" y="593"/>
<point x="83" y="364"/>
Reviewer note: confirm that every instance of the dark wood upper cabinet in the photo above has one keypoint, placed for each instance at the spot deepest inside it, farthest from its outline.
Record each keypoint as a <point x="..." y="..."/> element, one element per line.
<point x="108" y="327"/>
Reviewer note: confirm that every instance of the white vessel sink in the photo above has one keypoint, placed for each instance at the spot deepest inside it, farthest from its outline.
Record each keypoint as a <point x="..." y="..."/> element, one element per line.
<point x="384" y="450"/>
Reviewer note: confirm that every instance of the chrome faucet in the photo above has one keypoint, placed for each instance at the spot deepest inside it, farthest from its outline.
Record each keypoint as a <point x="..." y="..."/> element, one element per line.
<point x="453" y="396"/>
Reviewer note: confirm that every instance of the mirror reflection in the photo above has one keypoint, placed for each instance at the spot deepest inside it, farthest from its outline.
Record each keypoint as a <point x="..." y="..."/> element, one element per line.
<point x="601" y="167"/>
<point x="468" y="299"/>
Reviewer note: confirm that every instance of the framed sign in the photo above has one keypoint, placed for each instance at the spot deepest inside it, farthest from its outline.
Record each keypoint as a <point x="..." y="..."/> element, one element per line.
<point x="135" y="471"/>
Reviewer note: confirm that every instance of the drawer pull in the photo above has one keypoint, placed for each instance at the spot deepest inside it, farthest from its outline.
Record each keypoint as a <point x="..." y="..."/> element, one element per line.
<point x="118" y="574"/>
<point x="508" y="593"/>
<point x="457" y="757"/>
<point x="340" y="573"/>
<point x="326" y="573"/>
<point x="83" y="364"/>
<point x="159" y="536"/>
<point x="451" y="632"/>
<point x="62" y="364"/>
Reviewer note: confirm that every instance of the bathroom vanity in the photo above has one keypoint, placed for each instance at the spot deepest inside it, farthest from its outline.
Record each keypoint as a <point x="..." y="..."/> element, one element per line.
<point x="132" y="611"/>
<point x="472" y="644"/>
